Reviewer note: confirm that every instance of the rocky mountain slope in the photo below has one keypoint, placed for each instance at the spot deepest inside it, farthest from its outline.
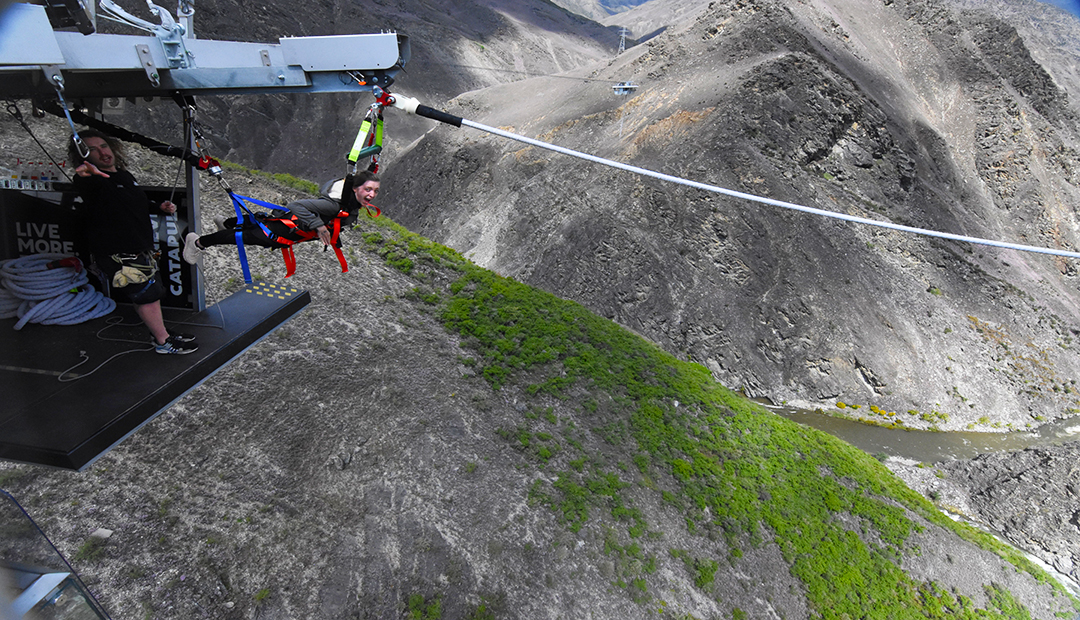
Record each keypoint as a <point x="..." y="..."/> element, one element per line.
<point x="1049" y="34"/>
<point x="651" y="18"/>
<point x="1029" y="497"/>
<point x="907" y="111"/>
<point x="598" y="10"/>
<point x="431" y="440"/>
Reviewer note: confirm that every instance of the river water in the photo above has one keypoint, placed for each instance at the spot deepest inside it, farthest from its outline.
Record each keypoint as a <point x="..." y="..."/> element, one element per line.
<point x="929" y="446"/>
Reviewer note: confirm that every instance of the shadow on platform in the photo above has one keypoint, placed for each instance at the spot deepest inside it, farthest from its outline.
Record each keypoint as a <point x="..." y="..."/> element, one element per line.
<point x="68" y="419"/>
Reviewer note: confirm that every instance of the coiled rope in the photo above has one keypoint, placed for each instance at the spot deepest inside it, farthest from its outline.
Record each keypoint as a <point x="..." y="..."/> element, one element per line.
<point x="41" y="289"/>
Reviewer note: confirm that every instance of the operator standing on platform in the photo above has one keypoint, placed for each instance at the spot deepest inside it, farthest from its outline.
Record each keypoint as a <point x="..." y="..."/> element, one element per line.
<point x="118" y="227"/>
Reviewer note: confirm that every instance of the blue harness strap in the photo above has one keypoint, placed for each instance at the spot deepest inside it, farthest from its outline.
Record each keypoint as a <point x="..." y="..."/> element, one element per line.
<point x="243" y="214"/>
<point x="261" y="203"/>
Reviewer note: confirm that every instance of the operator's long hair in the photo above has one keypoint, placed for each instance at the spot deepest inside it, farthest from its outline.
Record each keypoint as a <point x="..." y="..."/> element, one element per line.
<point x="117" y="148"/>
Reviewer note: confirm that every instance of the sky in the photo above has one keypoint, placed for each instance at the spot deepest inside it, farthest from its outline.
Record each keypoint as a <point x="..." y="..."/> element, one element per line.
<point x="1073" y="6"/>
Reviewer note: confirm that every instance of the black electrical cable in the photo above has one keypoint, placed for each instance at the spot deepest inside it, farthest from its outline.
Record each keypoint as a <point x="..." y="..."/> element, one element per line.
<point x="126" y="135"/>
<point x="13" y="110"/>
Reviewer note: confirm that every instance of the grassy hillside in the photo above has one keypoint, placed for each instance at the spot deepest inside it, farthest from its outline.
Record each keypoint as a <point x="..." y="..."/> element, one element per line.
<point x="651" y="426"/>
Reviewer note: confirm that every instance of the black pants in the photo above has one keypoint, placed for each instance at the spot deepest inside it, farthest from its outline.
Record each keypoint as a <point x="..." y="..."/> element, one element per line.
<point x="250" y="234"/>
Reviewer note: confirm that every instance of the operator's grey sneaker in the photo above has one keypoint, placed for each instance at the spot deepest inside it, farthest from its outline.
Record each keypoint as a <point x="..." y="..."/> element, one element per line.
<point x="192" y="251"/>
<point x="219" y="221"/>
<point x="173" y="346"/>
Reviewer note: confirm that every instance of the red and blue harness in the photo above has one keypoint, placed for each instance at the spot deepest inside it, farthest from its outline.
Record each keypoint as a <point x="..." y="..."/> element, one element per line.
<point x="246" y="218"/>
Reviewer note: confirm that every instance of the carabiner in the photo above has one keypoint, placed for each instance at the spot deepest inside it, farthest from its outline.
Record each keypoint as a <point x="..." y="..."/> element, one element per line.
<point x="84" y="151"/>
<point x="58" y="84"/>
<point x="13" y="110"/>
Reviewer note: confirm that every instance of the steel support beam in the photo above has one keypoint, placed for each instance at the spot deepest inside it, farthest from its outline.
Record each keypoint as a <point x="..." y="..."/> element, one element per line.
<point x="111" y="65"/>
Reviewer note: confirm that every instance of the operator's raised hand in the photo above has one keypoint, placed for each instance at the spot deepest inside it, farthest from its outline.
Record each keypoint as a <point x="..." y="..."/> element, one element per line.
<point x="87" y="169"/>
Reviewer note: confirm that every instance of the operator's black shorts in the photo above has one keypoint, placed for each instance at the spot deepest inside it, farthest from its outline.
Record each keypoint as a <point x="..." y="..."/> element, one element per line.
<point x="140" y="293"/>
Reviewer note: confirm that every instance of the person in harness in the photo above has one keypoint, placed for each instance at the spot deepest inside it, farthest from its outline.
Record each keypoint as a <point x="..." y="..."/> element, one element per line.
<point x="303" y="220"/>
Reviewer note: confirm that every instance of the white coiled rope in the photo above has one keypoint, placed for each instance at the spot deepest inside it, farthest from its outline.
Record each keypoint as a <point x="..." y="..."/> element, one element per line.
<point x="60" y="295"/>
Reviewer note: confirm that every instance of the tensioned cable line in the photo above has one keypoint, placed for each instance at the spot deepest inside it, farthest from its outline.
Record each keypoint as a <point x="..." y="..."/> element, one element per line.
<point x="413" y="106"/>
<point x="769" y="201"/>
<point x="527" y="74"/>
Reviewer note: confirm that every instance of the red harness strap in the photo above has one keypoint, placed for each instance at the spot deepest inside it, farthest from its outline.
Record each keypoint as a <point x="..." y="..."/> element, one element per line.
<point x="299" y="236"/>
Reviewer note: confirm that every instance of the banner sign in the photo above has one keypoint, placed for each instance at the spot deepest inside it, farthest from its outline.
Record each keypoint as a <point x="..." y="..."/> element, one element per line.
<point x="36" y="221"/>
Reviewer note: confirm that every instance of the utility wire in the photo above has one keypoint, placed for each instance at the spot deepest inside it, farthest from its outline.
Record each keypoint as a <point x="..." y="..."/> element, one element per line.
<point x="523" y="73"/>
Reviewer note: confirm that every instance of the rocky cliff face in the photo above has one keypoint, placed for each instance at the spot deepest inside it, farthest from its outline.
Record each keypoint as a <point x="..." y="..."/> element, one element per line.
<point x="1030" y="497"/>
<point x="1048" y="34"/>
<point x="1027" y="497"/>
<point x="906" y="111"/>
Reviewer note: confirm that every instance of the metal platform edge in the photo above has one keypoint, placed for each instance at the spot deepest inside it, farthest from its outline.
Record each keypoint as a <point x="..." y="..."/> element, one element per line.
<point x="124" y="425"/>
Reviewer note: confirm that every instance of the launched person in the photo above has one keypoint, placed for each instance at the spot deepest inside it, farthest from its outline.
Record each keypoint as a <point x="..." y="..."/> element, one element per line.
<point x="300" y="221"/>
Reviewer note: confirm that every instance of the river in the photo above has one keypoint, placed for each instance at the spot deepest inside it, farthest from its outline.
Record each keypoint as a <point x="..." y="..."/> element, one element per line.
<point x="930" y="446"/>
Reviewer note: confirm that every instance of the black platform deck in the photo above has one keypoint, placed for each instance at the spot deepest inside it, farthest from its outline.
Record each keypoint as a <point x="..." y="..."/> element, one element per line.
<point x="69" y="424"/>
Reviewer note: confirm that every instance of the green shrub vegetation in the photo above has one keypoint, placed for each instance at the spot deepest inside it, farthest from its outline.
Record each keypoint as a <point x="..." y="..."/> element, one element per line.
<point x="287" y="180"/>
<point x="482" y="612"/>
<point x="422" y="609"/>
<point x="92" y="549"/>
<point x="732" y="468"/>
<point x="261" y="596"/>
